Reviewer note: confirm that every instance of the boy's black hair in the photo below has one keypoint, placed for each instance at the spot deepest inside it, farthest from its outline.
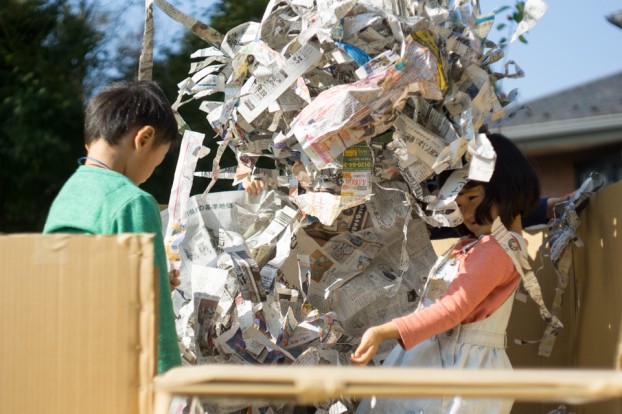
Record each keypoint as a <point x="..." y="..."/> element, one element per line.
<point x="125" y="106"/>
<point x="514" y="186"/>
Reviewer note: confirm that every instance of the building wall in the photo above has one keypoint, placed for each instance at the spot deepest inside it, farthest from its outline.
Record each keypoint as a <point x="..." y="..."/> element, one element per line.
<point x="561" y="172"/>
<point x="556" y="174"/>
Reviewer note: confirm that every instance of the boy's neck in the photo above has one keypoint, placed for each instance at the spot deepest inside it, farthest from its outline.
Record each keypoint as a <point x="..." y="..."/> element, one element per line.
<point x="106" y="154"/>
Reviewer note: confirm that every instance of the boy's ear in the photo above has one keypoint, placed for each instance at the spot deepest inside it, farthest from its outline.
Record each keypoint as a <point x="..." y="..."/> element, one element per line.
<point x="144" y="137"/>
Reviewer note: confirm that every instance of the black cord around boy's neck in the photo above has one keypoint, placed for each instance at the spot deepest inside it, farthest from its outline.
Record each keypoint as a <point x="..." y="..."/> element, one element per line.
<point x="95" y="160"/>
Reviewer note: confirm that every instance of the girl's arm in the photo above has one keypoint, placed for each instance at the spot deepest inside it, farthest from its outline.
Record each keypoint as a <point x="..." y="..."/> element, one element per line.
<point x="371" y="340"/>
<point x="485" y="279"/>
<point x="487" y="269"/>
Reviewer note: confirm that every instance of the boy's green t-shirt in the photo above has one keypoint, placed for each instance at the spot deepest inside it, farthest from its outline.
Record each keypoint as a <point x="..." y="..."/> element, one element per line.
<point x="99" y="201"/>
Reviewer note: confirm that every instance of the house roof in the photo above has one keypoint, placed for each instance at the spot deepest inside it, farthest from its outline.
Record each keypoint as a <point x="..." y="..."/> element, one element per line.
<point x="599" y="97"/>
<point x="583" y="116"/>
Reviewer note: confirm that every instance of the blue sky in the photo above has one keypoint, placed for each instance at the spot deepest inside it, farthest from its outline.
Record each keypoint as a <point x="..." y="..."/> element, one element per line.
<point x="573" y="42"/>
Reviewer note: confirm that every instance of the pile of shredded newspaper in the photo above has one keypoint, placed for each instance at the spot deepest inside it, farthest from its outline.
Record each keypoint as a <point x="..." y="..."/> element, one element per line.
<point x="359" y="105"/>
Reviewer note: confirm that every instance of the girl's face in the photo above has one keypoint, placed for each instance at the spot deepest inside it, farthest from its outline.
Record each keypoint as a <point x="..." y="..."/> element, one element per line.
<point x="468" y="200"/>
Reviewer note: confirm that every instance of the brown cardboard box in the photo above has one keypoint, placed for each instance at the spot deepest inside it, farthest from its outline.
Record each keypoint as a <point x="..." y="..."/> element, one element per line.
<point x="78" y="318"/>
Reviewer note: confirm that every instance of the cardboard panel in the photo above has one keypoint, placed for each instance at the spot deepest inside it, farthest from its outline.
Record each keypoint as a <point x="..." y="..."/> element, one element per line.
<point x="599" y="279"/>
<point x="598" y="266"/>
<point x="591" y="311"/>
<point x="77" y="324"/>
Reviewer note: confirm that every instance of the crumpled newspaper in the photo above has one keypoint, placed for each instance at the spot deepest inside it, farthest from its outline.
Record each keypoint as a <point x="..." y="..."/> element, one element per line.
<point x="359" y="105"/>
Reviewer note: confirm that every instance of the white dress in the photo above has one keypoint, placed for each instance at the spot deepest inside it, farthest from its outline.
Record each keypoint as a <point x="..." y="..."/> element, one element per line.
<point x="474" y="345"/>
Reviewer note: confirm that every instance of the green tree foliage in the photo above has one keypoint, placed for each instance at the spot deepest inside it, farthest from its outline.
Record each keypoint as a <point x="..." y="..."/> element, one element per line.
<point x="513" y="16"/>
<point x="46" y="51"/>
<point x="229" y="14"/>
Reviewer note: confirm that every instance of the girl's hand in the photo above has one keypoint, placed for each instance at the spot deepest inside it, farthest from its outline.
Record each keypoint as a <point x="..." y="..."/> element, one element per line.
<point x="371" y="340"/>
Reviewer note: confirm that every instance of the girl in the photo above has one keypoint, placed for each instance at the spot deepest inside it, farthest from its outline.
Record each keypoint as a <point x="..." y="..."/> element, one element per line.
<point x="464" y="311"/>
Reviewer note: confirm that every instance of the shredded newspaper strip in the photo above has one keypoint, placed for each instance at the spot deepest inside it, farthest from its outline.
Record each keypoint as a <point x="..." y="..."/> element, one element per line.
<point x="562" y="235"/>
<point x="145" y="63"/>
<point x="358" y="106"/>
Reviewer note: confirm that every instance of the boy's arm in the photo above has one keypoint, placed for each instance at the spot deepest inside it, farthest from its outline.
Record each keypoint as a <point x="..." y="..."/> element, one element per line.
<point x="538" y="215"/>
<point x="544" y="211"/>
<point x="141" y="215"/>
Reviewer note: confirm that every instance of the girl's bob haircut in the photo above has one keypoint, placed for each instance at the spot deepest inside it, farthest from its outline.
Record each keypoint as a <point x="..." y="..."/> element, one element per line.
<point x="514" y="187"/>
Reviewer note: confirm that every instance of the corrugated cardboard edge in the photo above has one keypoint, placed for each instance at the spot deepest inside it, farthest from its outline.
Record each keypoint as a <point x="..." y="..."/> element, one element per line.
<point x="141" y="248"/>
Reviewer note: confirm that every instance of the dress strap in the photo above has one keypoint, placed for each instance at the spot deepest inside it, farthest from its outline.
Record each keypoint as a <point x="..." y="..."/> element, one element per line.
<point x="512" y="248"/>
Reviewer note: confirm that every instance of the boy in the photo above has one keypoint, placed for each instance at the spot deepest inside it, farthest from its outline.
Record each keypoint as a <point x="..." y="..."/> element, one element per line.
<point x="129" y="128"/>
